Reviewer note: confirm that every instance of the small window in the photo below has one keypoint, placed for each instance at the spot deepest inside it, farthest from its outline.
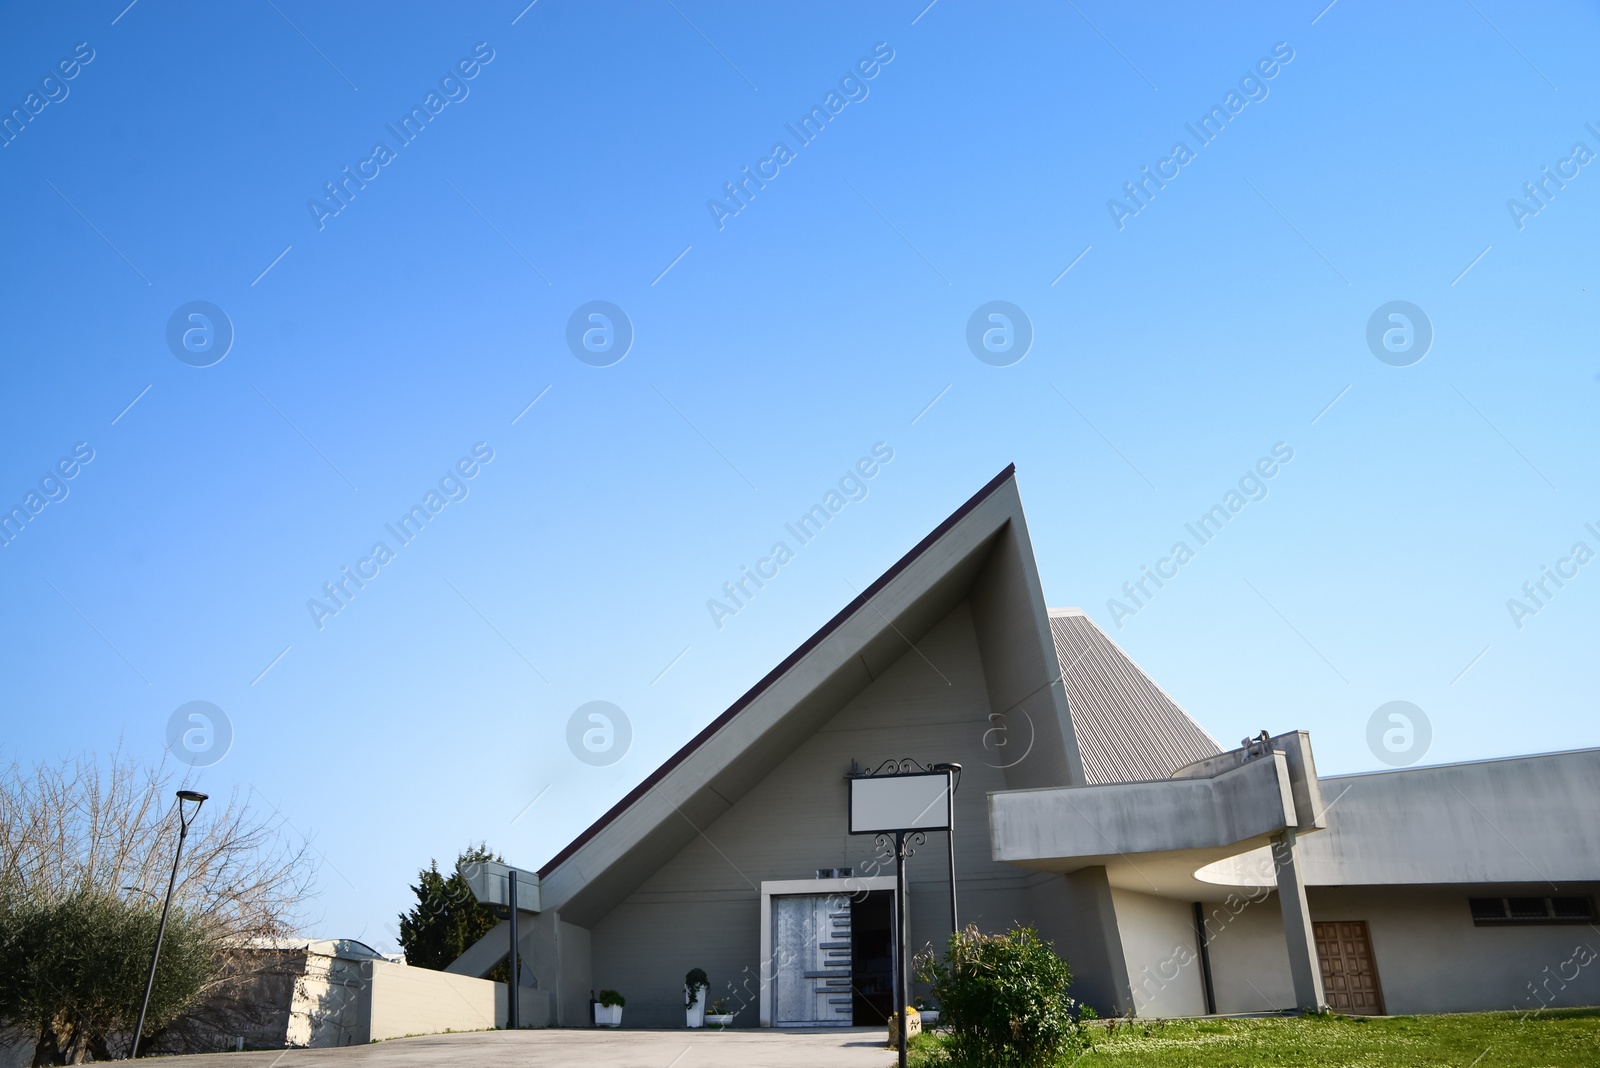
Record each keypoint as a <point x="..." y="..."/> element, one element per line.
<point x="1487" y="908"/>
<point x="1578" y="909"/>
<point x="1511" y="911"/>
<point x="1527" y="908"/>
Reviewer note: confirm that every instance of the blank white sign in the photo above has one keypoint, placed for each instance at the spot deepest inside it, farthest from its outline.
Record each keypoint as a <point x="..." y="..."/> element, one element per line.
<point x="899" y="803"/>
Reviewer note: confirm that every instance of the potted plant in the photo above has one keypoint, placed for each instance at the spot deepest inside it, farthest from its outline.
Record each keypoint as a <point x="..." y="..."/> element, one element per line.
<point x="719" y="1017"/>
<point x="608" y="1013"/>
<point x="695" y="984"/>
<point x="927" y="1010"/>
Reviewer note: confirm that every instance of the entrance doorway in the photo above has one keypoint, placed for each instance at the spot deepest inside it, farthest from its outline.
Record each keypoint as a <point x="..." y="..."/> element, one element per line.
<point x="872" y="958"/>
<point x="834" y="957"/>
<point x="1349" y="976"/>
<point x="826" y="951"/>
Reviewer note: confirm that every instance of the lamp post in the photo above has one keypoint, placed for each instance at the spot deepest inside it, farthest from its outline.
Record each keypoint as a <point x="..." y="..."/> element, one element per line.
<point x="183" y="832"/>
<point x="899" y="803"/>
<point x="904" y="844"/>
<point x="954" y="771"/>
<point x="513" y="988"/>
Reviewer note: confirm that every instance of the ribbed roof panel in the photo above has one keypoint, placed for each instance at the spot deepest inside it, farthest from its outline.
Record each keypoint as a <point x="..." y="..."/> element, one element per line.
<point x="1128" y="728"/>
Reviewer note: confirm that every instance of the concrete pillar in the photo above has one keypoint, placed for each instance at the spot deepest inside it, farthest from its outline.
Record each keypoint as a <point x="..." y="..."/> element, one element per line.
<point x="1297" y="932"/>
<point x="544" y="960"/>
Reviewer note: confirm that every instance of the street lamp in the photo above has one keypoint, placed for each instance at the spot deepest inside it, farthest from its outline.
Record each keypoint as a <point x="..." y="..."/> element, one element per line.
<point x="183" y="832"/>
<point x="899" y="803"/>
<point x="952" y="769"/>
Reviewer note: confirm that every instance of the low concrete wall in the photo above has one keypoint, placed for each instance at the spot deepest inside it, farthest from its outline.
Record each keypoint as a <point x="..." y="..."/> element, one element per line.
<point x="420" y="1001"/>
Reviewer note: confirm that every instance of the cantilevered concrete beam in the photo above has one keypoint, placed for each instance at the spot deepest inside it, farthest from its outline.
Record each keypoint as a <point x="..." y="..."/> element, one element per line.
<point x="1082" y="826"/>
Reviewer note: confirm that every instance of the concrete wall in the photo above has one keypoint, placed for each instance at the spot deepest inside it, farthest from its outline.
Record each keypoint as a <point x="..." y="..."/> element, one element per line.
<point x="1161" y="954"/>
<point x="576" y="969"/>
<point x="1021" y="667"/>
<point x="1431" y="958"/>
<point x="331" y="1002"/>
<point x="700" y="909"/>
<point x="1428" y="954"/>
<point x="1249" y="961"/>
<point x="300" y="998"/>
<point x="16" y="1052"/>
<point x="1073" y="912"/>
<point x="1493" y="821"/>
<point x="421" y="1001"/>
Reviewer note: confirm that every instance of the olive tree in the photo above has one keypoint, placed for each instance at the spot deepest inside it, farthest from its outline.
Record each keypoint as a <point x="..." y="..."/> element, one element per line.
<point x="86" y="847"/>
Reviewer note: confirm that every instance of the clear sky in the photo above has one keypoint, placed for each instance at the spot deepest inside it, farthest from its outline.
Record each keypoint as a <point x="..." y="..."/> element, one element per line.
<point x="561" y="154"/>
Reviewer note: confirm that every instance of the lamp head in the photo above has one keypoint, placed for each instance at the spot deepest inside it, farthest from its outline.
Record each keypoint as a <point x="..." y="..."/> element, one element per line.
<point x="192" y="795"/>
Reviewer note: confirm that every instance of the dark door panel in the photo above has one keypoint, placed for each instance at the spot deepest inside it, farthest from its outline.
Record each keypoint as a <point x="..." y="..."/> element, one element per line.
<point x="872" y="957"/>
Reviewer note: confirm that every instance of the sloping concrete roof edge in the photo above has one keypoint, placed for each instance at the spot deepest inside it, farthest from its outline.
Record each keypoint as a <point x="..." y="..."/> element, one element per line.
<point x="772" y="677"/>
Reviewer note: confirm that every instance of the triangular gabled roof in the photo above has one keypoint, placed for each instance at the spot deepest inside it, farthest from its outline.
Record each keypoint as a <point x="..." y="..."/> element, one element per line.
<point x="982" y="554"/>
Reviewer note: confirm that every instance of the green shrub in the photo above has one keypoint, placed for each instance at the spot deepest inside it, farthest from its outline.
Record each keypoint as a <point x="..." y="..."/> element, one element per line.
<point x="73" y="969"/>
<point x="1003" y="1000"/>
<point x="609" y="998"/>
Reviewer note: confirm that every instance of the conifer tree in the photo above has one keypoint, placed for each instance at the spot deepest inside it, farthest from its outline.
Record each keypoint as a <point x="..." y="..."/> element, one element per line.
<point x="447" y="918"/>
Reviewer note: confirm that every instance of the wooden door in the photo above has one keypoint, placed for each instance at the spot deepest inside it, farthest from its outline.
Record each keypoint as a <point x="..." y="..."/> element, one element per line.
<point x="1349" y="976"/>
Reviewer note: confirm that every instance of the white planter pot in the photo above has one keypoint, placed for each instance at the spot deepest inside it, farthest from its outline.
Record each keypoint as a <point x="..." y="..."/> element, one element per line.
<point x="719" y="1020"/>
<point x="608" y="1015"/>
<point x="696" y="1014"/>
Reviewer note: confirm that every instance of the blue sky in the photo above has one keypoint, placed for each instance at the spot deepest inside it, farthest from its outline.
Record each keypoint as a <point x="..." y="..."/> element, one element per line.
<point x="374" y="347"/>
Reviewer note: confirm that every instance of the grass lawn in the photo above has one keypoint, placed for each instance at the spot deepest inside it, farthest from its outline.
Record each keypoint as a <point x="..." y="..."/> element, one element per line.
<point x="1557" y="1038"/>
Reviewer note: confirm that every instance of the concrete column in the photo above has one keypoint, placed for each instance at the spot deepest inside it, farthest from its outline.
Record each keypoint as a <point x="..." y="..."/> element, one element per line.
<point x="1297" y="933"/>
<point x="544" y="959"/>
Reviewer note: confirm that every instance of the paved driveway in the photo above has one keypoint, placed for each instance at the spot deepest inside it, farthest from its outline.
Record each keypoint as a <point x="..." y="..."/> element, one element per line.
<point x="855" y="1048"/>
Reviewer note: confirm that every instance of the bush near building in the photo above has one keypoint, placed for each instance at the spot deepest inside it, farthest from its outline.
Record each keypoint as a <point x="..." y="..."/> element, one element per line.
<point x="1003" y="1001"/>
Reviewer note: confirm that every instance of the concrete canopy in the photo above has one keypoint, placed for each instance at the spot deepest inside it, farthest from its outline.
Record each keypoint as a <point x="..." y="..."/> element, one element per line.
<point x="981" y="554"/>
<point x="1153" y="836"/>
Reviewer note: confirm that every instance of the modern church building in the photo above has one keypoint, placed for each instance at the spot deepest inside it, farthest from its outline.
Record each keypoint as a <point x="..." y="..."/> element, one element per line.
<point x="1177" y="877"/>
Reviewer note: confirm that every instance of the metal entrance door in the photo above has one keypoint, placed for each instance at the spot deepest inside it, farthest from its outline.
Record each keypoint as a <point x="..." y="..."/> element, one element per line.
<point x="811" y="951"/>
<point x="1349" y="977"/>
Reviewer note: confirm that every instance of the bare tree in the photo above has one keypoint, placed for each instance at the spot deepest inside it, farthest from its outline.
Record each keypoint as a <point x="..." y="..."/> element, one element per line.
<point x="103" y="832"/>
